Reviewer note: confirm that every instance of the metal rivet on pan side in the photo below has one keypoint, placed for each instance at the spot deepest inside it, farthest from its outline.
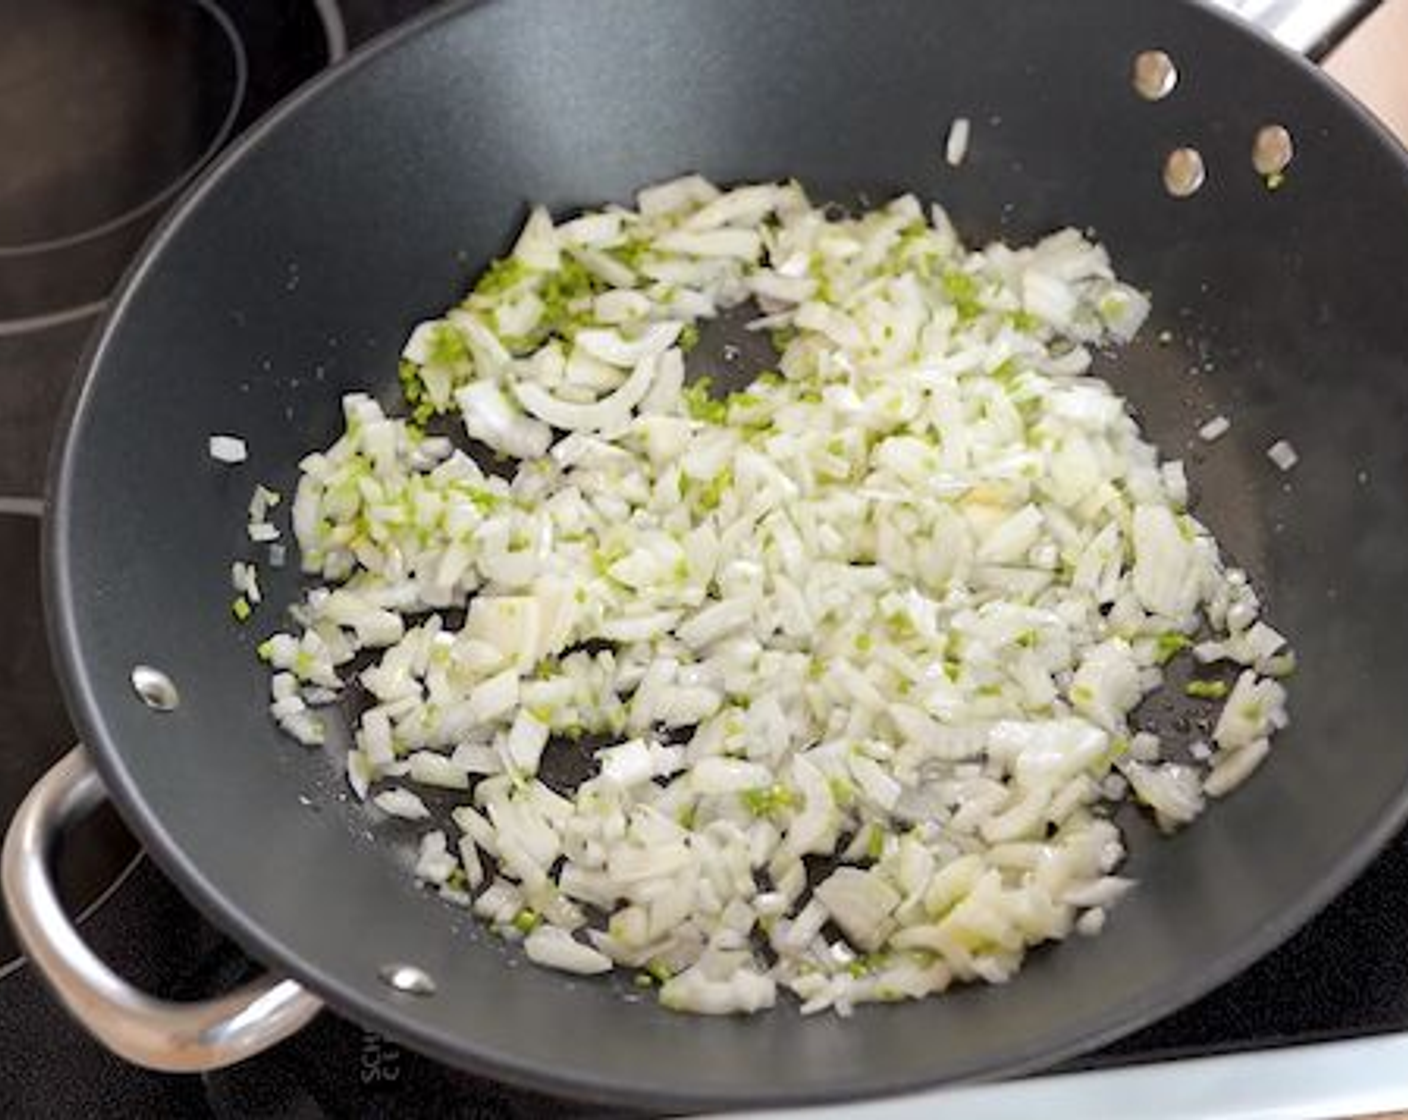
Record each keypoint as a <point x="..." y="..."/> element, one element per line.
<point x="155" y="689"/>
<point x="1184" y="173"/>
<point x="407" y="978"/>
<point x="1272" y="150"/>
<point x="1154" y="75"/>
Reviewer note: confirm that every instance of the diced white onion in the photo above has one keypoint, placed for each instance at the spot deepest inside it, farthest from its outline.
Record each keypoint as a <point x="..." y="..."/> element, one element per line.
<point x="956" y="146"/>
<point x="1283" y="455"/>
<point x="1214" y="429"/>
<point x="228" y="449"/>
<point x="889" y="610"/>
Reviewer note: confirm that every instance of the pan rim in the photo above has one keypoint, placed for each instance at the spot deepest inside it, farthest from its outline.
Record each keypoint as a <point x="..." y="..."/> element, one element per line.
<point x="87" y="710"/>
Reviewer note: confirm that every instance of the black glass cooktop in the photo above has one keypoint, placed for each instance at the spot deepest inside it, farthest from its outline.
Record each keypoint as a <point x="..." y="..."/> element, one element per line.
<point x="108" y="108"/>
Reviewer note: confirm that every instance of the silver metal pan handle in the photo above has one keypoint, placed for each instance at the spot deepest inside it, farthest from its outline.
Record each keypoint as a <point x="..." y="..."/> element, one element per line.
<point x="158" y="1034"/>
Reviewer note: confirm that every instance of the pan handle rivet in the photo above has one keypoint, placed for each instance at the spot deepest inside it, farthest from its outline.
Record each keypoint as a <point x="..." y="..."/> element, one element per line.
<point x="1272" y="150"/>
<point x="1184" y="173"/>
<point x="155" y="689"/>
<point x="1153" y="75"/>
<point x="407" y="978"/>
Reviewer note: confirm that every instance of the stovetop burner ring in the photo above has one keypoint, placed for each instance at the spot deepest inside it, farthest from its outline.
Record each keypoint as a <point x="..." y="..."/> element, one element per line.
<point x="50" y="319"/>
<point x="165" y="193"/>
<point x="334" y="29"/>
<point x="104" y="145"/>
<point x="21" y="506"/>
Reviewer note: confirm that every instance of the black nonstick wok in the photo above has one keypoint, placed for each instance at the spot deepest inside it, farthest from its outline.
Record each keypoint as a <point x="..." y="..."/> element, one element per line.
<point x="293" y="272"/>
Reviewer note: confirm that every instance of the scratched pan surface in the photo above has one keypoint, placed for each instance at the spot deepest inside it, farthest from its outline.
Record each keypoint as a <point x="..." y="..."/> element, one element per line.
<point x="293" y="272"/>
